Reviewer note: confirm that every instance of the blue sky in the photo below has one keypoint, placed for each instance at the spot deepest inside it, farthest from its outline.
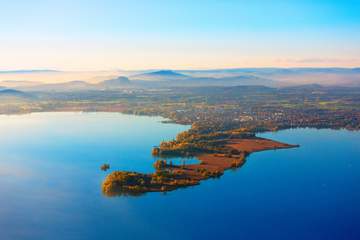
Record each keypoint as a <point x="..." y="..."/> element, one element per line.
<point x="108" y="34"/>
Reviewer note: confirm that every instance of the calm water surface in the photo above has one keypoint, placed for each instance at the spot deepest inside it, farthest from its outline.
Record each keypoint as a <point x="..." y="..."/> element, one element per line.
<point x="50" y="184"/>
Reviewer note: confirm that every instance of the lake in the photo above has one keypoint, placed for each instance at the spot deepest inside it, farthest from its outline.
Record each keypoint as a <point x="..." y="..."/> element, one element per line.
<point x="50" y="185"/>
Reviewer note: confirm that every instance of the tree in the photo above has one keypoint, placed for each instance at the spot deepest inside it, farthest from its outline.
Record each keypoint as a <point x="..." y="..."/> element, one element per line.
<point x="105" y="167"/>
<point x="160" y="164"/>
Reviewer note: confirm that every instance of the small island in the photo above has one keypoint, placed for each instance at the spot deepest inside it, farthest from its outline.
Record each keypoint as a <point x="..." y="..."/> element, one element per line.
<point x="216" y="153"/>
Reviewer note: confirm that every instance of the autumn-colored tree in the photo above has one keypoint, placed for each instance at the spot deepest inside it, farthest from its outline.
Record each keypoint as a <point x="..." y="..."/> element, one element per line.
<point x="160" y="164"/>
<point x="105" y="167"/>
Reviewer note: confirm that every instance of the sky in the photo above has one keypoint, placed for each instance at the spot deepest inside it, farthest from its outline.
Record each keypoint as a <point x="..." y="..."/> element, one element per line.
<point x="178" y="34"/>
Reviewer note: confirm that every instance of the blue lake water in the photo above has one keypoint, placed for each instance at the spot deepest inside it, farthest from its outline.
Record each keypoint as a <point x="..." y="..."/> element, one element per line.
<point x="50" y="184"/>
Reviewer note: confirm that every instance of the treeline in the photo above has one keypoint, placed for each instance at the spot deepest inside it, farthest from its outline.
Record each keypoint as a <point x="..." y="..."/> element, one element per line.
<point x="192" y="143"/>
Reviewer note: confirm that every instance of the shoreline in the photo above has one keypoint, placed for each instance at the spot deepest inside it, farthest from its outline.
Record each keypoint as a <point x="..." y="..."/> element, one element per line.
<point x="171" y="177"/>
<point x="211" y="164"/>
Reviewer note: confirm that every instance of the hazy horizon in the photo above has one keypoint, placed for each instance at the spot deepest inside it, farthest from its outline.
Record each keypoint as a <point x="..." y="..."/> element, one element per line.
<point x="54" y="70"/>
<point x="26" y="79"/>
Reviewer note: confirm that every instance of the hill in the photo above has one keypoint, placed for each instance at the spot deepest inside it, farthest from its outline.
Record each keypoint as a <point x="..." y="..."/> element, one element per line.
<point x="115" y="83"/>
<point x="12" y="93"/>
<point x="162" y="75"/>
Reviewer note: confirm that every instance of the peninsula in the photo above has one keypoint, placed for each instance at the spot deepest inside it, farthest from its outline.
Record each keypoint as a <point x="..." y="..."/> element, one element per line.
<point x="216" y="153"/>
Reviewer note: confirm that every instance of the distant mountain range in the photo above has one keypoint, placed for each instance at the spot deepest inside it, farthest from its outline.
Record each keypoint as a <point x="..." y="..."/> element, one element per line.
<point x="270" y="77"/>
<point x="156" y="79"/>
<point x="291" y="76"/>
